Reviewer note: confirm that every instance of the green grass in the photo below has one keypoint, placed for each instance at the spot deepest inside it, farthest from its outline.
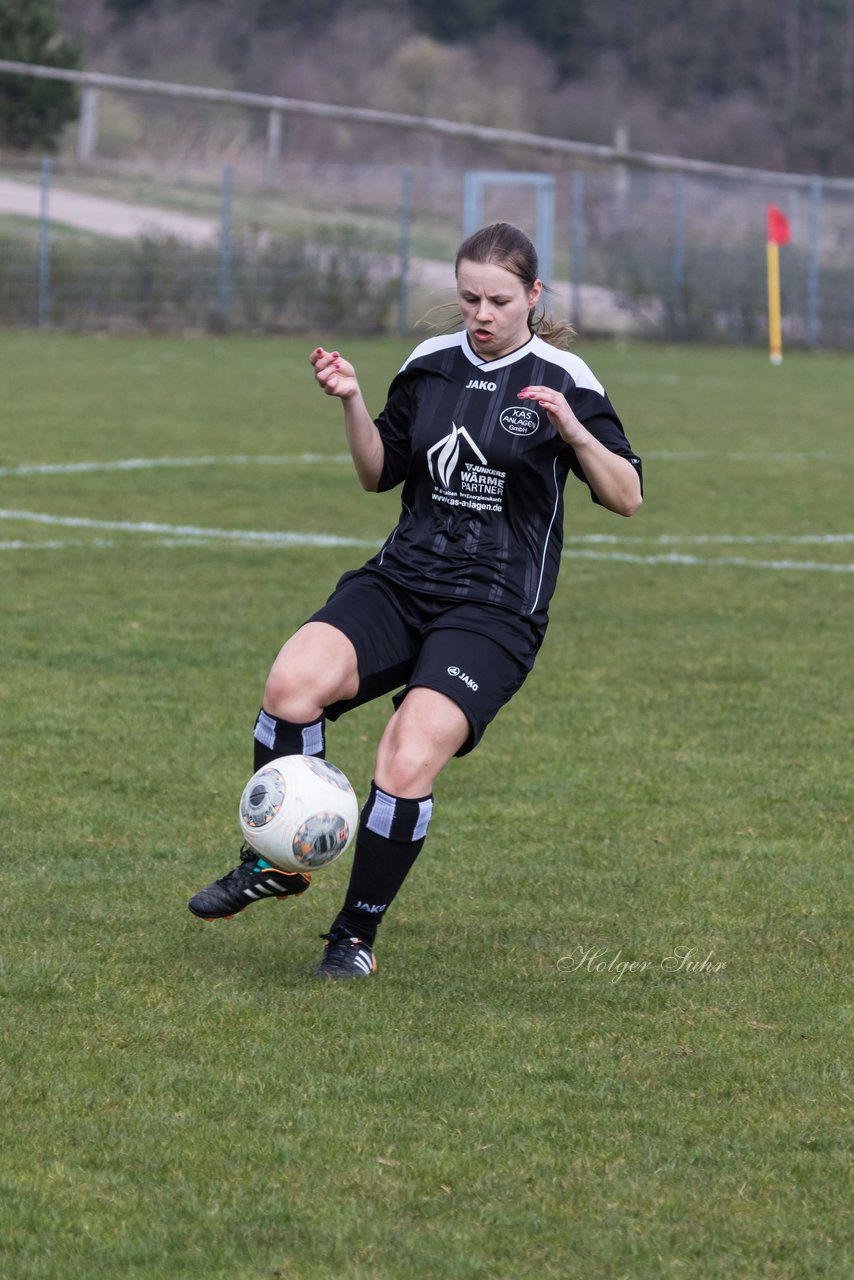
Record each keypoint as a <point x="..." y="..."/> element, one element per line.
<point x="26" y="230"/>
<point x="671" y="790"/>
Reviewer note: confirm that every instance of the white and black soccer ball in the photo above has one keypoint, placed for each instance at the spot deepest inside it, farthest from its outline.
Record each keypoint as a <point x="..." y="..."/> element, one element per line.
<point x="299" y="812"/>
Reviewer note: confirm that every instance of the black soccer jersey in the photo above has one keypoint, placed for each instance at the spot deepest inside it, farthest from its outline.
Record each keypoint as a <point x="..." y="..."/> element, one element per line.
<point x="483" y="472"/>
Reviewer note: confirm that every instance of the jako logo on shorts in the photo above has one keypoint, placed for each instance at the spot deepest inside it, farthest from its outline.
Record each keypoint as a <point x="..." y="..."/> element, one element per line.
<point x="461" y="675"/>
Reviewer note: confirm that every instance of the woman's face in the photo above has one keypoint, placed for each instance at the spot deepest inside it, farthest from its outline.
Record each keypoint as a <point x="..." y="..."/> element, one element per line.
<point x="494" y="305"/>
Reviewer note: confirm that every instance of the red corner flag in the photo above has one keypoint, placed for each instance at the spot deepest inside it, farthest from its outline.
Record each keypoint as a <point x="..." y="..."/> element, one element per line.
<point x="779" y="231"/>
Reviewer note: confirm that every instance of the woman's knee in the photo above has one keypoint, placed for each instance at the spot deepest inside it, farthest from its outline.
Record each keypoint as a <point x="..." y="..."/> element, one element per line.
<point x="312" y="670"/>
<point x="419" y="740"/>
<point x="287" y="697"/>
<point x="405" y="768"/>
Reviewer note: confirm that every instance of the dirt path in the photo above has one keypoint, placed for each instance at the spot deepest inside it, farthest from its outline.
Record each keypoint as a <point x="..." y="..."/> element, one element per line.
<point x="600" y="307"/>
<point x="104" y="217"/>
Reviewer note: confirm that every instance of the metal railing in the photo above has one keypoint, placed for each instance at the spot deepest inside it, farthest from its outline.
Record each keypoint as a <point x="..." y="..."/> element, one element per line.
<point x="642" y="243"/>
<point x="276" y="107"/>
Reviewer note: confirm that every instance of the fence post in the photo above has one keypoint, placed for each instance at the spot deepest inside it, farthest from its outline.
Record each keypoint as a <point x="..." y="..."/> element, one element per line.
<point x="225" y="247"/>
<point x="813" y="320"/>
<point x="576" y="249"/>
<point x="621" y="171"/>
<point x="406" y="183"/>
<point x="274" y="148"/>
<point x="678" y="261"/>
<point x="545" y="226"/>
<point x="436" y="168"/>
<point x="87" y="129"/>
<point x="472" y="196"/>
<point x="44" y="247"/>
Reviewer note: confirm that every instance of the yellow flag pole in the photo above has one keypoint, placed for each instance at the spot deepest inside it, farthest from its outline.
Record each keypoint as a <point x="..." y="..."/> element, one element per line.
<point x="774" y="328"/>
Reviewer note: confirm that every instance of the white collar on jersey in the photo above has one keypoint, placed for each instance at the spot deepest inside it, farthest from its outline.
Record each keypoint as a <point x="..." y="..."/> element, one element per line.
<point x="567" y="360"/>
<point x="510" y="358"/>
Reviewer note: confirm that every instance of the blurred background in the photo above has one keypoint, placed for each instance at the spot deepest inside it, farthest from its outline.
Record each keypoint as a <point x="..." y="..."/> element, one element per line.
<point x="321" y="164"/>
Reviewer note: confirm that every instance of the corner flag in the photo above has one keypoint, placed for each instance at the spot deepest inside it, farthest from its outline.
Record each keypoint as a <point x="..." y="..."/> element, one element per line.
<point x="779" y="232"/>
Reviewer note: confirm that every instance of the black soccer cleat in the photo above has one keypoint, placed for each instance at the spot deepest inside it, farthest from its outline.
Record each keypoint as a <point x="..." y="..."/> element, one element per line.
<point x="345" y="956"/>
<point x="245" y="884"/>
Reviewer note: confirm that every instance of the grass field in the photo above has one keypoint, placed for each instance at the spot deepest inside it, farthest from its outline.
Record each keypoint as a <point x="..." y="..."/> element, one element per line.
<point x="610" y="1035"/>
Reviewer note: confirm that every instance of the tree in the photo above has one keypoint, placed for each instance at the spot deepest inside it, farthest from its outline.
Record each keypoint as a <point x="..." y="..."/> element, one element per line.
<point x="33" y="112"/>
<point x="456" y="21"/>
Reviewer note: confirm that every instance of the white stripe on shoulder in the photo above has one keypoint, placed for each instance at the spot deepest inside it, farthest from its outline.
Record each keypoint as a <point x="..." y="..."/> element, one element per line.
<point x="573" y="364"/>
<point x="440" y="343"/>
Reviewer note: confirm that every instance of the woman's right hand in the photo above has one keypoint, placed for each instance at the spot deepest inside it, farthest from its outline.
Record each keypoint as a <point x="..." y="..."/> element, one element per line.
<point x="333" y="374"/>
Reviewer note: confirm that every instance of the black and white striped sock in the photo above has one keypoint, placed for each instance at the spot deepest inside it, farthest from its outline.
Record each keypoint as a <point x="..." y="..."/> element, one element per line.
<point x="392" y="831"/>
<point x="273" y="738"/>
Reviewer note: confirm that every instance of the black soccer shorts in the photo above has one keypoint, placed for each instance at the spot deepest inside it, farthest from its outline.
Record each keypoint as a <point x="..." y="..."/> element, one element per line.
<point x="476" y="654"/>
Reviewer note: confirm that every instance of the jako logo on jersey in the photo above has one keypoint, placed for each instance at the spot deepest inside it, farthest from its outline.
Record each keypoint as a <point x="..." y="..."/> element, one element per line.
<point x="461" y="675"/>
<point x="477" y="385"/>
<point x="442" y="459"/>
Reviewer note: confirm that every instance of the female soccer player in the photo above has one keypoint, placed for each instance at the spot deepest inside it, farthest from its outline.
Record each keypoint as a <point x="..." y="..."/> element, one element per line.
<point x="481" y="428"/>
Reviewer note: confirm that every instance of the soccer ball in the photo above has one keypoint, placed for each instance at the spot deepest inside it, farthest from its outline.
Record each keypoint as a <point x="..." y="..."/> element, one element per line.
<point x="299" y="813"/>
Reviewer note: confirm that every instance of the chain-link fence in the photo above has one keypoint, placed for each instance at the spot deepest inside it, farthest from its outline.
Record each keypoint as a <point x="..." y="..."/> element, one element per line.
<point x="175" y="213"/>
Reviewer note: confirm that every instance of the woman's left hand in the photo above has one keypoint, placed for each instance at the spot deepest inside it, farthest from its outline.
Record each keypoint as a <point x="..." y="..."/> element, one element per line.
<point x="613" y="479"/>
<point x="559" y="413"/>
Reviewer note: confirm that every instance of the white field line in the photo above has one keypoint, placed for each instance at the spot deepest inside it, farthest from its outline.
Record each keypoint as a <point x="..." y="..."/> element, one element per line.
<point x="185" y="535"/>
<point x="193" y="535"/>
<point x="675" y="558"/>
<point x="284" y="538"/>
<point x="182" y="531"/>
<point x="149" y="464"/>
<point x="290" y="539"/>
<point x="338" y="459"/>
<point x="240" y="459"/>
<point x="695" y="455"/>
<point x="726" y="539"/>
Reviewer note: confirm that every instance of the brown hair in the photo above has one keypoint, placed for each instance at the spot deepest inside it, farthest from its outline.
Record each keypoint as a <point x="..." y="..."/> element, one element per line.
<point x="503" y="245"/>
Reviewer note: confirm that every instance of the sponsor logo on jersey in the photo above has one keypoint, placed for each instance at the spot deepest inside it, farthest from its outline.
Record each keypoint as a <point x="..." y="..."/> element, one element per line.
<point x="478" y="384"/>
<point x="461" y="473"/>
<point x="520" y="420"/>
<point x="442" y="459"/>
